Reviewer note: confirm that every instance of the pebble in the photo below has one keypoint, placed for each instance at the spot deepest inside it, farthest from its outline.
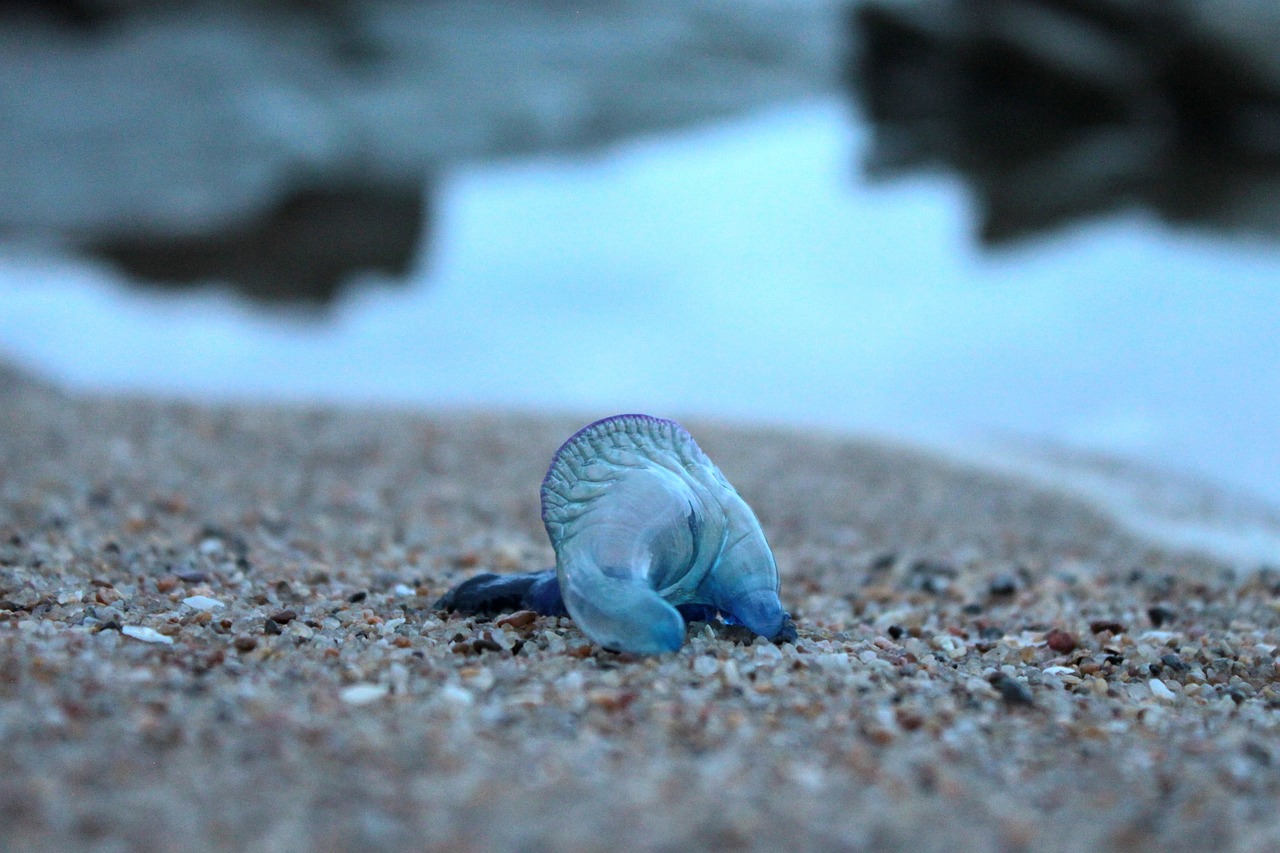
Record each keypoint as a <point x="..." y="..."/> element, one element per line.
<point x="302" y="630"/>
<point x="1060" y="641"/>
<point x="145" y="634"/>
<point x="519" y="619"/>
<point x="768" y="651"/>
<point x="363" y="694"/>
<point x="482" y="681"/>
<point x="1003" y="585"/>
<point x="952" y="647"/>
<point x="732" y="678"/>
<point x="202" y="602"/>
<point x="705" y="666"/>
<point x="455" y="695"/>
<point x="1013" y="691"/>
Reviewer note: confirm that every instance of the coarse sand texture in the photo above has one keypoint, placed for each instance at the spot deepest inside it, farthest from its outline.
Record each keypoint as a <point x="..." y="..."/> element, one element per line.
<point x="216" y="633"/>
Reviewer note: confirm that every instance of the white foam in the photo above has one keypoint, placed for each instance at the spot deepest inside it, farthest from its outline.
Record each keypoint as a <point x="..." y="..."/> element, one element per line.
<point x="1172" y="510"/>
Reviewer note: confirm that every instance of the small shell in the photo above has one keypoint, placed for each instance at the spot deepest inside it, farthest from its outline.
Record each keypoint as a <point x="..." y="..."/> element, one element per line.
<point x="642" y="522"/>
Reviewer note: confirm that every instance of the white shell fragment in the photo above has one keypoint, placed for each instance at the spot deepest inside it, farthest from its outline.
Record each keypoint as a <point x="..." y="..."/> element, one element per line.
<point x="363" y="693"/>
<point x="202" y="602"/>
<point x="146" y="635"/>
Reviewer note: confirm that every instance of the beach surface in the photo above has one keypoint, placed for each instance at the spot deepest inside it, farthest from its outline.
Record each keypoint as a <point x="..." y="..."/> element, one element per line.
<point x="216" y="633"/>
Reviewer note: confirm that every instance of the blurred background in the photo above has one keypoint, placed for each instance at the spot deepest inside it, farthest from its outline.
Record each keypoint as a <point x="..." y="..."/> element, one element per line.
<point x="1042" y="233"/>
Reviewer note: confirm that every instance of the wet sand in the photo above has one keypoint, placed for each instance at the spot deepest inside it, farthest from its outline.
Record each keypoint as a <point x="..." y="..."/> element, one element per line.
<point x="216" y="634"/>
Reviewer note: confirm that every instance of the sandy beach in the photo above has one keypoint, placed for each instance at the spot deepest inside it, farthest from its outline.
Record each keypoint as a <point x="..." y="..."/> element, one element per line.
<point x="216" y="633"/>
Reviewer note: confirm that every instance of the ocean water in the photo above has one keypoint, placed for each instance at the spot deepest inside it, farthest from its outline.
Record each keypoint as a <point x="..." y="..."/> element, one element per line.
<point x="744" y="271"/>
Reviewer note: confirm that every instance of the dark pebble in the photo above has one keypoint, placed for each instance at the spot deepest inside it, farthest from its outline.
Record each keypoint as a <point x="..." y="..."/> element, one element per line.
<point x="1003" y="585"/>
<point x="934" y="585"/>
<point x="485" y="643"/>
<point x="357" y="597"/>
<point x="1060" y="641"/>
<point x="1106" y="625"/>
<point x="192" y="577"/>
<point x="973" y="608"/>
<point x="1257" y="752"/>
<point x="896" y="632"/>
<point x="991" y="632"/>
<point x="884" y="562"/>
<point x="1174" y="663"/>
<point x="787" y="633"/>
<point x="270" y="626"/>
<point x="245" y="644"/>
<point x="284" y="617"/>
<point x="1013" y="691"/>
<point x="739" y="635"/>
<point x="908" y="720"/>
<point x="1160" y="615"/>
<point x="236" y="543"/>
<point x="931" y="576"/>
<point x="934" y="567"/>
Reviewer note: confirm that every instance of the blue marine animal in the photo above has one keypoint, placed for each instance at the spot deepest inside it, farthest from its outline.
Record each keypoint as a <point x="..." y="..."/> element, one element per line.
<point x="648" y="534"/>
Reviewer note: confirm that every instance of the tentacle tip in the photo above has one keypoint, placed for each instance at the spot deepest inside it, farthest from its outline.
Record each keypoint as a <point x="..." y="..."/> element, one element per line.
<point x="761" y="612"/>
<point x="466" y="596"/>
<point x="662" y="636"/>
<point x="628" y="618"/>
<point x="787" y="633"/>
